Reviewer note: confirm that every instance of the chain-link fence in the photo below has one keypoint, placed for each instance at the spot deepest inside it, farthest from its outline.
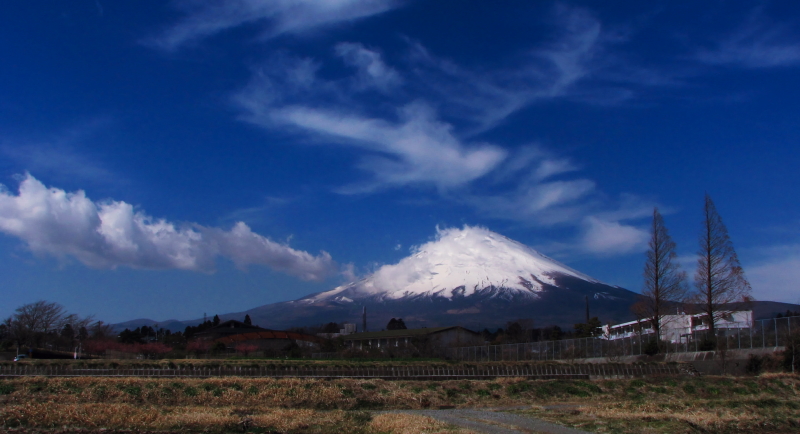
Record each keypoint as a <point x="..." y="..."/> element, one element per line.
<point x="766" y="333"/>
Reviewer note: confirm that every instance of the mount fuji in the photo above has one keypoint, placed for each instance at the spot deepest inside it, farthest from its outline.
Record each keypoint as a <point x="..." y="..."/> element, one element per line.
<point x="471" y="277"/>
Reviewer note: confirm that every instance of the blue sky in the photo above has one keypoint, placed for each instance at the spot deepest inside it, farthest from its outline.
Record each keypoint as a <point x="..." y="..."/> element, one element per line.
<point x="170" y="159"/>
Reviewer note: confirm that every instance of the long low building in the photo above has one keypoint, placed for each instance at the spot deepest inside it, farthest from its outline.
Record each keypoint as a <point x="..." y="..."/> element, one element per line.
<point x="232" y="333"/>
<point x="678" y="328"/>
<point x="440" y="337"/>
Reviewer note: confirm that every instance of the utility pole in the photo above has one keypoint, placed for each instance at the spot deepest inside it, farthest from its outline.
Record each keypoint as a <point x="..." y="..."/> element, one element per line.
<point x="364" y="319"/>
<point x="586" y="297"/>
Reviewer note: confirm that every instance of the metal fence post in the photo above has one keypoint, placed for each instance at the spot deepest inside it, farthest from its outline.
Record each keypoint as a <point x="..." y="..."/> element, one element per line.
<point x="776" y="330"/>
<point x="739" y="335"/>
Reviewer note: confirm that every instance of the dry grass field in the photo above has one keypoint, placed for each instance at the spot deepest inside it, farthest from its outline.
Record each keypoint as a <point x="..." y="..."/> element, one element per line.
<point x="765" y="404"/>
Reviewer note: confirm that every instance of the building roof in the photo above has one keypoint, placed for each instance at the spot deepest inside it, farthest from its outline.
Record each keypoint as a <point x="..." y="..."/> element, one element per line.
<point x="267" y="334"/>
<point x="646" y="321"/>
<point x="403" y="333"/>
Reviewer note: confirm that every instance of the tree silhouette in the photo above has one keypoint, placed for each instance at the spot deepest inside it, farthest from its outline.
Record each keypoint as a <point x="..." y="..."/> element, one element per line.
<point x="247" y="320"/>
<point x="396" y="324"/>
<point x="589" y="329"/>
<point x="664" y="281"/>
<point x="719" y="279"/>
<point x="216" y="320"/>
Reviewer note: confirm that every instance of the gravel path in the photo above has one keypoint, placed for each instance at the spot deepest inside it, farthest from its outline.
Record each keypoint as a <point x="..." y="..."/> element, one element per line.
<point x="491" y="421"/>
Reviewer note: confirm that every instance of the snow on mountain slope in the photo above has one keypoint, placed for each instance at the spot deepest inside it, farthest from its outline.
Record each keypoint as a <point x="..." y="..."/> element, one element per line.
<point x="474" y="258"/>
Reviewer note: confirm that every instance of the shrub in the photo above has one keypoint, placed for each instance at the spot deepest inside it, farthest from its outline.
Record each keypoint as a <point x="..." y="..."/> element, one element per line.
<point x="133" y="390"/>
<point x="36" y="387"/>
<point x="637" y="383"/>
<point x="6" y="389"/>
<point x="706" y="345"/>
<point x="190" y="391"/>
<point x="592" y="388"/>
<point x="517" y="388"/>
<point x="651" y="348"/>
<point x="791" y="356"/>
<point x="755" y="364"/>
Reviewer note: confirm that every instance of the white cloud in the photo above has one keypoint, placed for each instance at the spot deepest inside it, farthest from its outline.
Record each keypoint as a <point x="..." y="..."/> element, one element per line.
<point x="111" y="234"/>
<point x="418" y="149"/>
<point x="612" y="237"/>
<point x="541" y="204"/>
<point x="204" y="18"/>
<point x="775" y="276"/>
<point x="372" y="71"/>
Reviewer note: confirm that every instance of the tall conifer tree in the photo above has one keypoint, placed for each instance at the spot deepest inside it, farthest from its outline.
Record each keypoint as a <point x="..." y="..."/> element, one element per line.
<point x="664" y="282"/>
<point x="719" y="279"/>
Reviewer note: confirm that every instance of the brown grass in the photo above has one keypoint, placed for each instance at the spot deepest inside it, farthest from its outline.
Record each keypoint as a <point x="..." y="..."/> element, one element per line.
<point x="214" y="419"/>
<point x="769" y="403"/>
<point x="397" y="423"/>
<point x="188" y="418"/>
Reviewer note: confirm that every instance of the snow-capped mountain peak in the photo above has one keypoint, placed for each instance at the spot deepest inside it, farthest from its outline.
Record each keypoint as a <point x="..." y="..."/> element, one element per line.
<point x="459" y="262"/>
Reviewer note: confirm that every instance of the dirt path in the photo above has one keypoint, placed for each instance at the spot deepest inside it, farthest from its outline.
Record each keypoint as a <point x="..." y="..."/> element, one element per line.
<point x="493" y="421"/>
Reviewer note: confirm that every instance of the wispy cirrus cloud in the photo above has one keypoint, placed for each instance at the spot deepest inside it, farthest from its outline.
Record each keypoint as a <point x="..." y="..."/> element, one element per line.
<point x="417" y="149"/>
<point x="111" y="234"/>
<point x="774" y="272"/>
<point x="406" y="139"/>
<point x="59" y="161"/>
<point x="414" y="147"/>
<point x="205" y="18"/>
<point x="611" y="237"/>
<point x="62" y="155"/>
<point x="373" y="72"/>
<point x="758" y="43"/>
<point x="543" y="73"/>
<point x="414" y="144"/>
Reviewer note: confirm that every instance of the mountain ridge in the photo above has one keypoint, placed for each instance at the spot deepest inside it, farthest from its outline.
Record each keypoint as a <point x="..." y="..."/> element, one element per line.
<point x="471" y="277"/>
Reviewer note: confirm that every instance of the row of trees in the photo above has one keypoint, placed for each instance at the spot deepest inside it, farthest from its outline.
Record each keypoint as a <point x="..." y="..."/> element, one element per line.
<point x="718" y="281"/>
<point x="44" y="324"/>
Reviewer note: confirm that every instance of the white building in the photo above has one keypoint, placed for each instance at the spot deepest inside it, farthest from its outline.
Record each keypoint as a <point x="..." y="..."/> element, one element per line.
<point x="679" y="327"/>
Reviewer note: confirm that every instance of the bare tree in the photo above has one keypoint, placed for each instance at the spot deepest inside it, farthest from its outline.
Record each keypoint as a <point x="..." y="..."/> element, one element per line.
<point x="664" y="282"/>
<point x="39" y="321"/>
<point x="719" y="279"/>
<point x="101" y="330"/>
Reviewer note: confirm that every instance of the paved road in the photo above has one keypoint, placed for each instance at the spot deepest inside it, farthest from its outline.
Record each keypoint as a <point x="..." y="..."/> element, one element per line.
<point x="491" y="421"/>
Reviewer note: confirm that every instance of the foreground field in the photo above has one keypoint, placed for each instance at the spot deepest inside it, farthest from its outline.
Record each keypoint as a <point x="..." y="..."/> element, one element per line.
<point x="765" y="404"/>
